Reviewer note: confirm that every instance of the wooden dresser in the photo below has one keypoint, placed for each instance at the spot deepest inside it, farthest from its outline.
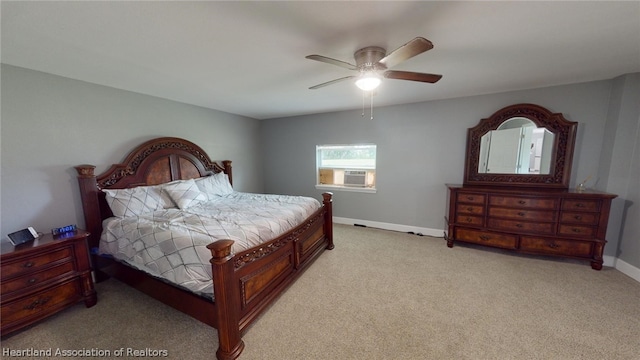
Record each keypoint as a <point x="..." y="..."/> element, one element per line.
<point x="557" y="222"/>
<point x="43" y="277"/>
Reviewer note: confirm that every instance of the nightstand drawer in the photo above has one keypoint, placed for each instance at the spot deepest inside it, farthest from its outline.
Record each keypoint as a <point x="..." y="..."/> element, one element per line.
<point x="41" y="304"/>
<point x="34" y="279"/>
<point x="35" y="263"/>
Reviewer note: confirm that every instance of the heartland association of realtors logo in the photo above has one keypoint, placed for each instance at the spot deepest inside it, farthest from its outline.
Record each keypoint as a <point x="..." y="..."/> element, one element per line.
<point x="84" y="352"/>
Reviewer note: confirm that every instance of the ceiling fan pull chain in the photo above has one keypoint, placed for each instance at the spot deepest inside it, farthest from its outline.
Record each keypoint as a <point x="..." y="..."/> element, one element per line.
<point x="371" y="105"/>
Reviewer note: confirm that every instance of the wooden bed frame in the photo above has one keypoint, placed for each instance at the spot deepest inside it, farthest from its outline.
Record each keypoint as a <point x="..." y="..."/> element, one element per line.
<point x="246" y="283"/>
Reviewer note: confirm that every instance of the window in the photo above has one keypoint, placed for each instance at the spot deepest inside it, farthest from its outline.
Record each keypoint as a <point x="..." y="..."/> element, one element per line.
<point x="346" y="166"/>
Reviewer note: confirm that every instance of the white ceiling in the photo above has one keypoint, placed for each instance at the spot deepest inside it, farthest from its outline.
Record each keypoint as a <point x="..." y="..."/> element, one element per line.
<point x="248" y="58"/>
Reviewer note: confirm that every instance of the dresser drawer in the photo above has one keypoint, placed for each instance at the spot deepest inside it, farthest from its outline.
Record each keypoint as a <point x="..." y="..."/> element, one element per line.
<point x="522" y="202"/>
<point x="40" y="304"/>
<point x="524" y="214"/>
<point x="522" y="226"/>
<point x="579" y="218"/>
<point x="471" y="198"/>
<point x="470" y="209"/>
<point x="34" y="263"/>
<point x="469" y="219"/>
<point x="581" y="205"/>
<point x="486" y="238"/>
<point x="555" y="246"/>
<point x="576" y="230"/>
<point x="35" y="278"/>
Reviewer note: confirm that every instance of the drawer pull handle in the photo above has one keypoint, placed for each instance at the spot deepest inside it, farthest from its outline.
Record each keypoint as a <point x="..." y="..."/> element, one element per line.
<point x="580" y="205"/>
<point x="485" y="237"/>
<point x="37" y="302"/>
<point x="32" y="280"/>
<point x="578" y="217"/>
<point x="553" y="245"/>
<point x="575" y="230"/>
<point x="470" y="198"/>
<point x="28" y="264"/>
<point x="470" y="208"/>
<point x="518" y="225"/>
<point x="469" y="220"/>
<point x="522" y="202"/>
<point x="522" y="214"/>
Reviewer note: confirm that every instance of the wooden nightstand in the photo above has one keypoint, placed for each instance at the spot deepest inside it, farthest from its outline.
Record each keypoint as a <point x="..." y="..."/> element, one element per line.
<point x="43" y="277"/>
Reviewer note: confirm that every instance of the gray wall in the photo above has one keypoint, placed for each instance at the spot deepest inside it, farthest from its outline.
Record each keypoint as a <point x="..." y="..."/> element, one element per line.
<point x="51" y="124"/>
<point x="620" y="166"/>
<point x="422" y="146"/>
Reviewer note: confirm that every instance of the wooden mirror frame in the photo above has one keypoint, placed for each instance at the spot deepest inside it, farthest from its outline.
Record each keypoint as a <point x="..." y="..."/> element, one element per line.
<point x="561" y="158"/>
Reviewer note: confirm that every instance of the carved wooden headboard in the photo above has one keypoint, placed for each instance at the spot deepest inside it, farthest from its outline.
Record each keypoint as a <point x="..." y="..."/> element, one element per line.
<point x="154" y="162"/>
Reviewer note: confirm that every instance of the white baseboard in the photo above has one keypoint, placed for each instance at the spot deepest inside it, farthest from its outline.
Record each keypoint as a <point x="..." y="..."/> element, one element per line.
<point x="627" y="269"/>
<point x="610" y="261"/>
<point x="389" y="226"/>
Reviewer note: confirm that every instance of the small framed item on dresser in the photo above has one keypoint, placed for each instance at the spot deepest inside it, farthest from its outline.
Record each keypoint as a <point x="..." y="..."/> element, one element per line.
<point x="41" y="277"/>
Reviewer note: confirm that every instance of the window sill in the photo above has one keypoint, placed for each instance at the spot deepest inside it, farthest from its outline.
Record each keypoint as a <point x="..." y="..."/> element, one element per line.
<point x="346" y="188"/>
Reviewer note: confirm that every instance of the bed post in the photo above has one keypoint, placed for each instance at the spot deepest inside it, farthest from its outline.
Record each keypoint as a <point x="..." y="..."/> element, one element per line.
<point x="227" y="170"/>
<point x="90" y="205"/>
<point x="227" y="299"/>
<point x="328" y="218"/>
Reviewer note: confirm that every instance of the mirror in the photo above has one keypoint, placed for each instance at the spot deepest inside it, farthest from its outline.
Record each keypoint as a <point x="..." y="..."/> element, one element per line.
<point x="521" y="145"/>
<point x="517" y="146"/>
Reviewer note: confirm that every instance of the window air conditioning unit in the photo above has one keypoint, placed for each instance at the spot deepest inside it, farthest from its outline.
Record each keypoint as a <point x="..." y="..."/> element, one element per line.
<point x="355" y="178"/>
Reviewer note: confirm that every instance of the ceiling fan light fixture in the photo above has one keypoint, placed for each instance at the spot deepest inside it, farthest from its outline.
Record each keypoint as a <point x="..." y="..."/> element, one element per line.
<point x="368" y="81"/>
<point x="372" y="62"/>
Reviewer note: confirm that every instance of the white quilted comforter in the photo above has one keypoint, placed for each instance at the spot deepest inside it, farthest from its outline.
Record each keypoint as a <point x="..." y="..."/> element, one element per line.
<point x="171" y="243"/>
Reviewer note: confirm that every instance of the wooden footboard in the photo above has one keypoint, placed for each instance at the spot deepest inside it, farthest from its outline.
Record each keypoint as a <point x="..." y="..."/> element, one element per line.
<point x="245" y="284"/>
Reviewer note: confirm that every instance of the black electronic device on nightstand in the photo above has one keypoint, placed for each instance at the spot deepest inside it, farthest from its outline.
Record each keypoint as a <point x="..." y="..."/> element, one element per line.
<point x="23" y="236"/>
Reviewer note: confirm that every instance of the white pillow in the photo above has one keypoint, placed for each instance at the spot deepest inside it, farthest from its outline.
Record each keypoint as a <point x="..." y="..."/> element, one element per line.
<point x="185" y="193"/>
<point x="166" y="200"/>
<point x="215" y="185"/>
<point x="133" y="201"/>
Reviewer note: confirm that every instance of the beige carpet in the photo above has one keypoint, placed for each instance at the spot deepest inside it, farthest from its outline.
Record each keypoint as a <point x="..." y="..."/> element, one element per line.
<point x="386" y="295"/>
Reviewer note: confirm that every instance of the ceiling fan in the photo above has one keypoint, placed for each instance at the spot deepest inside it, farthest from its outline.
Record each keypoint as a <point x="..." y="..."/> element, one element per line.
<point x="373" y="62"/>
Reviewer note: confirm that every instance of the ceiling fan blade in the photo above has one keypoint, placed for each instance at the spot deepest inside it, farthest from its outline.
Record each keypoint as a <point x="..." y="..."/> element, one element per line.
<point x="407" y="51"/>
<point x="331" y="61"/>
<point x="331" y="82"/>
<point x="413" y="76"/>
